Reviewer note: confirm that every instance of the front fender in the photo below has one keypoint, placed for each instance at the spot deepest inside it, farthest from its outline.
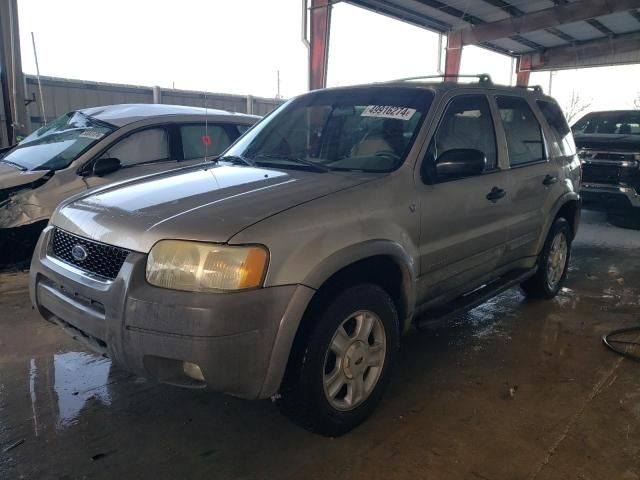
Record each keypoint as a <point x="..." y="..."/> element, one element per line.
<point x="360" y="251"/>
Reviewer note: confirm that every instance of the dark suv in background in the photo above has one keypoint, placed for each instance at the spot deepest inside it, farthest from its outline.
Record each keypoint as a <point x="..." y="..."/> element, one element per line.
<point x="609" y="148"/>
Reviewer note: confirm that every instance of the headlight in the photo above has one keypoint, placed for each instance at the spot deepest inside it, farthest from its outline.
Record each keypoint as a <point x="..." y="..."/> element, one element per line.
<point x="205" y="267"/>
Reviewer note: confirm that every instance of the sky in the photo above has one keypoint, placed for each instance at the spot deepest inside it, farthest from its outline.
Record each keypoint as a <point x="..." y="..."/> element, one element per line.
<point x="239" y="46"/>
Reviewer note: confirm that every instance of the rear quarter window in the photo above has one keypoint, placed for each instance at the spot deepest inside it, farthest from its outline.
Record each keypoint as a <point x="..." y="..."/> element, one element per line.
<point x="558" y="124"/>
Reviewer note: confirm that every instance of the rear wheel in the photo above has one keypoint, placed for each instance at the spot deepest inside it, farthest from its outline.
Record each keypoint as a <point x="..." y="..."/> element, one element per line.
<point x="553" y="263"/>
<point x="336" y="379"/>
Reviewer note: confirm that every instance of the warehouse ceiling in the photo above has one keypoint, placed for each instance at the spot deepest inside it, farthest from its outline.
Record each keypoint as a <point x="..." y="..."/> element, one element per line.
<point x="517" y="27"/>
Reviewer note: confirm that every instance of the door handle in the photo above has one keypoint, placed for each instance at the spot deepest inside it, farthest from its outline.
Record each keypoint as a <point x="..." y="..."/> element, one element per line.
<point x="496" y="194"/>
<point x="549" y="180"/>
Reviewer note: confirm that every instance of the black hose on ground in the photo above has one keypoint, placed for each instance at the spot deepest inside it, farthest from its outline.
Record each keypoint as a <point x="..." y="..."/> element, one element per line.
<point x="618" y="342"/>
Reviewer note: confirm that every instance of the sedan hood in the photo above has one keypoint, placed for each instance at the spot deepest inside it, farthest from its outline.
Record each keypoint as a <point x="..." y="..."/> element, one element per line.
<point x="11" y="176"/>
<point x="206" y="203"/>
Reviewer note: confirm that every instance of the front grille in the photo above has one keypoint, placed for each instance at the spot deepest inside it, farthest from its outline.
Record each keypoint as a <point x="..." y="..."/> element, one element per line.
<point x="601" y="173"/>
<point x="103" y="260"/>
<point x="614" y="156"/>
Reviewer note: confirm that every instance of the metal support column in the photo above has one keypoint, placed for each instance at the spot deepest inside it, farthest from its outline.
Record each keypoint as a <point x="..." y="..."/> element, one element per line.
<point x="320" y="13"/>
<point x="14" y="115"/>
<point x="157" y="94"/>
<point x="523" y="70"/>
<point x="453" y="55"/>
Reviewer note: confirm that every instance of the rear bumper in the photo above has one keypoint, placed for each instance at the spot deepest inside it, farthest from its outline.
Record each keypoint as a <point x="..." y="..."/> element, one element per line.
<point x="609" y="197"/>
<point x="240" y="341"/>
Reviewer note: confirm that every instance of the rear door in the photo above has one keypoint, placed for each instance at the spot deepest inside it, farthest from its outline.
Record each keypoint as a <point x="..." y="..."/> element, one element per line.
<point x="533" y="176"/>
<point x="463" y="229"/>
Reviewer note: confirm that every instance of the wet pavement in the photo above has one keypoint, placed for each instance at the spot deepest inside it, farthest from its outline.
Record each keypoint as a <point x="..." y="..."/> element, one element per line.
<point x="511" y="390"/>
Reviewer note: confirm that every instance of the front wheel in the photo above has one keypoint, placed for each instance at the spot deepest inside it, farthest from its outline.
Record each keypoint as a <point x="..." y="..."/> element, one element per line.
<point x="553" y="262"/>
<point x="335" y="381"/>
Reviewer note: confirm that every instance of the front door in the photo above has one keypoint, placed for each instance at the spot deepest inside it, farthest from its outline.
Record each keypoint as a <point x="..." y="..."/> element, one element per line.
<point x="141" y="153"/>
<point x="463" y="220"/>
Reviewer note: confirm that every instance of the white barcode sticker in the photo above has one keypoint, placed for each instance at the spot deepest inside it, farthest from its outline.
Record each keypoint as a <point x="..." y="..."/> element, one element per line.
<point x="388" y="111"/>
<point x="91" y="134"/>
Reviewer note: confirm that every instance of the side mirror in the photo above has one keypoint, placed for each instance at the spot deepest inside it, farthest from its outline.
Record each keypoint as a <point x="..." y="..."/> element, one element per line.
<point x="104" y="166"/>
<point x="460" y="163"/>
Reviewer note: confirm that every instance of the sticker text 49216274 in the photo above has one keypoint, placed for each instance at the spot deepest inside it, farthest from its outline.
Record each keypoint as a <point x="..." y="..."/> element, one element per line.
<point x="388" y="111"/>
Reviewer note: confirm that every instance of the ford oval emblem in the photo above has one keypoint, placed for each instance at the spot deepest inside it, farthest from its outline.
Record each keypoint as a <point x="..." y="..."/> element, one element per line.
<point x="79" y="253"/>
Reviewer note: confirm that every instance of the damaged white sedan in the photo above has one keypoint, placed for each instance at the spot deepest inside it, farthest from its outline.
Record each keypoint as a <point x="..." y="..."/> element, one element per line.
<point x="90" y="147"/>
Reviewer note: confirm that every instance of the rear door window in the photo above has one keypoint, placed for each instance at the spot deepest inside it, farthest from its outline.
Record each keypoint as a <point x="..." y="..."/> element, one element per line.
<point x="555" y="118"/>
<point x="200" y="141"/>
<point x="523" y="132"/>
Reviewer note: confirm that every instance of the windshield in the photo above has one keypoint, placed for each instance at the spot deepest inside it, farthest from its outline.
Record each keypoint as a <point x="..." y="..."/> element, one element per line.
<point x="360" y="129"/>
<point x="621" y="123"/>
<point x="55" y="145"/>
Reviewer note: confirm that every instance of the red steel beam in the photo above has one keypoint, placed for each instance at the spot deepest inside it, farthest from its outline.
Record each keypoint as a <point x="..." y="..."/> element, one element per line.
<point x="523" y="70"/>
<point x="453" y="56"/>
<point x="620" y="50"/>
<point x="319" y="55"/>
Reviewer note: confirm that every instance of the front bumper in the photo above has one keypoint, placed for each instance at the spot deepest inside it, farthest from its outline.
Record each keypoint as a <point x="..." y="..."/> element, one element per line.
<point x="240" y="341"/>
<point x="609" y="197"/>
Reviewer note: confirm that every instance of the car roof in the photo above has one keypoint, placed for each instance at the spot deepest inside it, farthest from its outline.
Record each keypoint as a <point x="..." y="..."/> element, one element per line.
<point x="530" y="91"/>
<point x="612" y="112"/>
<point x="126" y="113"/>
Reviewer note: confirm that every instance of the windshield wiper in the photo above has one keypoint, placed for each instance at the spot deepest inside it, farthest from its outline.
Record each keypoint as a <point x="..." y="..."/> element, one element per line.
<point x="316" y="166"/>
<point x="17" y="165"/>
<point x="235" y="159"/>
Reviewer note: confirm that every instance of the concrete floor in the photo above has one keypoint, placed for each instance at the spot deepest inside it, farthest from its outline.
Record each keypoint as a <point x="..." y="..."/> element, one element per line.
<point x="511" y="390"/>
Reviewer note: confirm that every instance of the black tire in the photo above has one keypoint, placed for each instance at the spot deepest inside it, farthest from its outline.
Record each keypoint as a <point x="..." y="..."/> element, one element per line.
<point x="629" y="219"/>
<point x="302" y="396"/>
<point x="539" y="286"/>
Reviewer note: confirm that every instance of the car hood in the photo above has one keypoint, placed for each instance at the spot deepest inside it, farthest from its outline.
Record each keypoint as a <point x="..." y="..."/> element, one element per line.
<point x="205" y="204"/>
<point x="625" y="143"/>
<point x="11" y="176"/>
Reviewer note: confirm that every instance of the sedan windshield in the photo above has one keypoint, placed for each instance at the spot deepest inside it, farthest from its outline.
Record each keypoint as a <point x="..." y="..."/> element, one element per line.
<point x="369" y="130"/>
<point x="620" y="123"/>
<point x="55" y="145"/>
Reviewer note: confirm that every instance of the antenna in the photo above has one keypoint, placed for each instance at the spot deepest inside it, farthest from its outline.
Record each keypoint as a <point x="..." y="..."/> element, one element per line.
<point x="35" y="55"/>
<point x="278" y="96"/>
<point x="206" y="139"/>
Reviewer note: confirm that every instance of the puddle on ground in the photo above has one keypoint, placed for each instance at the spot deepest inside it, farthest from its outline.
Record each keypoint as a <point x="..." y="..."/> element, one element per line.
<point x="75" y="379"/>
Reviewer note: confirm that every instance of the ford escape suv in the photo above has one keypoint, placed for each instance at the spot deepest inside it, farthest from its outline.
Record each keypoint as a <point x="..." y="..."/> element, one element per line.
<point x="290" y="266"/>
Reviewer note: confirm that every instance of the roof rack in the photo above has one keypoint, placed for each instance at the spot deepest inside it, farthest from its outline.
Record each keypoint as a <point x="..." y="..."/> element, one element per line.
<point x="535" y="88"/>
<point x="482" y="78"/>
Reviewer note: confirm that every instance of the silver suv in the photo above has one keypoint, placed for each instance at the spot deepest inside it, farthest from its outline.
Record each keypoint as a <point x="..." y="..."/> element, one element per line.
<point x="290" y="266"/>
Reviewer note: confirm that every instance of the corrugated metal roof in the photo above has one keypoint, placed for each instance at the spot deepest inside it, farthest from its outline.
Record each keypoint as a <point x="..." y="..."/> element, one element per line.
<point x="447" y="15"/>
